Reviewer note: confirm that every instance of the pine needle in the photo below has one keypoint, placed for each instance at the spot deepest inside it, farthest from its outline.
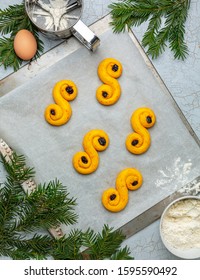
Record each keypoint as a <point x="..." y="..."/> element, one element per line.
<point x="166" y="23"/>
<point x="104" y="245"/>
<point x="49" y="205"/>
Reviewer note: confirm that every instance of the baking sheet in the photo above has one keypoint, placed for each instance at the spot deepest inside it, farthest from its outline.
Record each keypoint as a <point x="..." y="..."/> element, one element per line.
<point x="172" y="160"/>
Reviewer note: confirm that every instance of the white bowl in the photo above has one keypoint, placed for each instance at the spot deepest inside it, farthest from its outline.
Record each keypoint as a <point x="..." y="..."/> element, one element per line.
<point x="185" y="253"/>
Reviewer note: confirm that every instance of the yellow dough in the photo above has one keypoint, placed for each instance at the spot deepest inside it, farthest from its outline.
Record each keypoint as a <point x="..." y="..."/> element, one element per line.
<point x="88" y="161"/>
<point x="109" y="70"/>
<point x="60" y="113"/>
<point x="116" y="200"/>
<point x="139" y="141"/>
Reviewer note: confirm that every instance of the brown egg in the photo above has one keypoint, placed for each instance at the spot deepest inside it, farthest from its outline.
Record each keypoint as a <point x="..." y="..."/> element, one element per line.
<point x="25" y="44"/>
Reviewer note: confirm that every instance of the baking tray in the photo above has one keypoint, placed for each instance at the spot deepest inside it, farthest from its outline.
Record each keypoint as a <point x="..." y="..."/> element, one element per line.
<point x="172" y="160"/>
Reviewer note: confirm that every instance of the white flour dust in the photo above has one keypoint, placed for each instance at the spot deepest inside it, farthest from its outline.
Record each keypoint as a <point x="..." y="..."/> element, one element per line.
<point x="178" y="172"/>
<point x="181" y="224"/>
<point x="192" y="188"/>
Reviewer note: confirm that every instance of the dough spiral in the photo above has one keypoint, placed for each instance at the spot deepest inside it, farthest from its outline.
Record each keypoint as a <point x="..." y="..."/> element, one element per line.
<point x="88" y="161"/>
<point x="60" y="113"/>
<point x="116" y="200"/>
<point x="139" y="141"/>
<point x="109" y="70"/>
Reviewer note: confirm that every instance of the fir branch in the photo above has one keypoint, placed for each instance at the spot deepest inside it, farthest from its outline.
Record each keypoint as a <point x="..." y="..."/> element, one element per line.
<point x="36" y="247"/>
<point x="16" y="168"/>
<point x="13" y="19"/>
<point x="7" y="54"/>
<point x="21" y="213"/>
<point x="48" y="206"/>
<point x="100" y="246"/>
<point x="176" y="36"/>
<point x="68" y="247"/>
<point x="152" y="31"/>
<point x="8" y="204"/>
<point x="122" y="254"/>
<point x="104" y="245"/>
<point x="166" y="23"/>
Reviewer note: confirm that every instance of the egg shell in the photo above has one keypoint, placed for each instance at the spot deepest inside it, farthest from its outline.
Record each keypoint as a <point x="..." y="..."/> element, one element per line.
<point x="25" y="44"/>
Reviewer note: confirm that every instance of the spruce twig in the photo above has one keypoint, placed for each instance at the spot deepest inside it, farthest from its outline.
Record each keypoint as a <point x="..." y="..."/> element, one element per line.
<point x="49" y="207"/>
<point x="100" y="246"/>
<point x="166" y="23"/>
<point x="17" y="170"/>
<point x="7" y="54"/>
<point x="69" y="247"/>
<point x="22" y="214"/>
<point x="105" y="245"/>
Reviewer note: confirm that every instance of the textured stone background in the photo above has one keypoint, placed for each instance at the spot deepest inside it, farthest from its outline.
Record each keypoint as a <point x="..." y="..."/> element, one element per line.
<point x="181" y="78"/>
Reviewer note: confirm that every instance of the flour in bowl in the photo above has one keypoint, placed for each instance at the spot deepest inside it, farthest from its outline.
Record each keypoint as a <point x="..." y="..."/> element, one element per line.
<point x="181" y="224"/>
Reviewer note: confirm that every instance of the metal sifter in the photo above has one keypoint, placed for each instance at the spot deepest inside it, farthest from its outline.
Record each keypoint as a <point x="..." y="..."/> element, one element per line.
<point x="59" y="19"/>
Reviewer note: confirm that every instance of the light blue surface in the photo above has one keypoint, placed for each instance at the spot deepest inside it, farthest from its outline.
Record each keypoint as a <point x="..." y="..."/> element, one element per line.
<point x="181" y="78"/>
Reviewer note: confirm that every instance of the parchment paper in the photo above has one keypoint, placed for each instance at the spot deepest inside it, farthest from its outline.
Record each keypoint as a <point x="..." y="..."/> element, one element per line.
<point x="172" y="160"/>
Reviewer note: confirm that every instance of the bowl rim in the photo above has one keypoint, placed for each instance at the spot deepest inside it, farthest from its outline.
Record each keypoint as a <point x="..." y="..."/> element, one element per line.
<point x="184" y="254"/>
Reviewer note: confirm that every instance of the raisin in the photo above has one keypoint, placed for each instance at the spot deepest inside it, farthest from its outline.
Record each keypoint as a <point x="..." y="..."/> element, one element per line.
<point x="69" y="89"/>
<point x="104" y="94"/>
<point x="149" y="119"/>
<point x="113" y="196"/>
<point x="53" y="112"/>
<point x="134" y="183"/>
<point x="115" y="68"/>
<point x="134" y="142"/>
<point x="102" y="141"/>
<point x="84" y="159"/>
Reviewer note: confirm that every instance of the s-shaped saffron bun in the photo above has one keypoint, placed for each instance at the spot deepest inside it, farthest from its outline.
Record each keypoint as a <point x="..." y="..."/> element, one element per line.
<point x="94" y="141"/>
<point x="108" y="71"/>
<point x="60" y="113"/>
<point x="139" y="141"/>
<point x="116" y="199"/>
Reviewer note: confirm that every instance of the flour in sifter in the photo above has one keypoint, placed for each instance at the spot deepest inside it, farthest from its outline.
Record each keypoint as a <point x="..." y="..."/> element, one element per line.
<point x="177" y="172"/>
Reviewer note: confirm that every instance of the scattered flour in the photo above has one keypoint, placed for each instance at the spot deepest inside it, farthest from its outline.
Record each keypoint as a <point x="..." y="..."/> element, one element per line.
<point x="177" y="172"/>
<point x="191" y="188"/>
<point x="181" y="224"/>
